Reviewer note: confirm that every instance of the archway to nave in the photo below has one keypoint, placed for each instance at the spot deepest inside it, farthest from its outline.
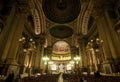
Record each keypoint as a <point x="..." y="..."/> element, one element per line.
<point x="61" y="56"/>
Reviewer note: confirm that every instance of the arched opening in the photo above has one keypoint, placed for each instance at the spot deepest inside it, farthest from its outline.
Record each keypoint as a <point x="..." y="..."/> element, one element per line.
<point x="61" y="56"/>
<point x="61" y="51"/>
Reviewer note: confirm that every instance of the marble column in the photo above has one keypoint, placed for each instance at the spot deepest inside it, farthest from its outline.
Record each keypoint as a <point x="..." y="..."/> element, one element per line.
<point x="16" y="25"/>
<point x="16" y="34"/>
<point x="107" y="34"/>
<point x="114" y="45"/>
<point x="42" y="42"/>
<point x="83" y="51"/>
<point x="80" y="54"/>
<point x="41" y="60"/>
<point x="39" y="54"/>
<point x="5" y="35"/>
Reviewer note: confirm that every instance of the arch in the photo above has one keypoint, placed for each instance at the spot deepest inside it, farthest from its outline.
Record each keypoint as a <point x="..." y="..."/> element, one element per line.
<point x="84" y="16"/>
<point x="39" y="19"/>
<point x="61" y="51"/>
<point x="61" y="47"/>
<point x="36" y="22"/>
<point x="41" y="15"/>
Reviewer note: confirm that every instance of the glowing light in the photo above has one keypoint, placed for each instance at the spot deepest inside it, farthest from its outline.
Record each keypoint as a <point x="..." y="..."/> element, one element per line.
<point x="53" y="67"/>
<point x="50" y="62"/>
<point x="69" y="67"/>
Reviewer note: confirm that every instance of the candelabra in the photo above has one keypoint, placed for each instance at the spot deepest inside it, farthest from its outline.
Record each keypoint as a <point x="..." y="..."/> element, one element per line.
<point x="97" y="55"/>
<point x="26" y="48"/>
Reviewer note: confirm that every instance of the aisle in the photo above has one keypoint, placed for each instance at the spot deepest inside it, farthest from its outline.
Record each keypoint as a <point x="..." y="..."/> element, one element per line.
<point x="60" y="78"/>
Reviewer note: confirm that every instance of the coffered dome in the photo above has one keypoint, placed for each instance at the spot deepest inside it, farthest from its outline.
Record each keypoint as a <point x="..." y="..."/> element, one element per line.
<point x="61" y="11"/>
<point x="61" y="31"/>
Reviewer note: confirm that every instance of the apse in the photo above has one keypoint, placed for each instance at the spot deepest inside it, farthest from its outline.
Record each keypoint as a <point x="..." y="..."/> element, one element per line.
<point x="61" y="51"/>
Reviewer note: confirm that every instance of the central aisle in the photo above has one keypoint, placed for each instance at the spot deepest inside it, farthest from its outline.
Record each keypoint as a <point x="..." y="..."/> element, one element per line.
<point x="60" y="78"/>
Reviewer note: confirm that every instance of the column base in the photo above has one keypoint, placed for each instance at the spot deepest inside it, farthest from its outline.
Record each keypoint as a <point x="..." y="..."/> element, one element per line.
<point x="108" y="67"/>
<point x="117" y="65"/>
<point x="11" y="61"/>
<point x="10" y="65"/>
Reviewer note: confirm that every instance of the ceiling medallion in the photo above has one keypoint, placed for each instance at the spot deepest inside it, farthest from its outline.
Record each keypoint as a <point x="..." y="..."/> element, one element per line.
<point x="61" y="11"/>
<point x="61" y="31"/>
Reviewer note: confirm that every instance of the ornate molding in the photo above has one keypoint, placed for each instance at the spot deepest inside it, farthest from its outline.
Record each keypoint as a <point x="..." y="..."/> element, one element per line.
<point x="100" y="6"/>
<point x="23" y="7"/>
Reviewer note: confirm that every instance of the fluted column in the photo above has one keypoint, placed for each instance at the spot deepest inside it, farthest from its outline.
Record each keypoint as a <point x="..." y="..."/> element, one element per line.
<point x="39" y="53"/>
<point x="42" y="42"/>
<point x="80" y="54"/>
<point x="81" y="42"/>
<point x="114" y="45"/>
<point x="37" y="59"/>
<point x="16" y="34"/>
<point x="110" y="44"/>
<point x="102" y="28"/>
<point x="13" y="31"/>
<point x="5" y="35"/>
<point x="107" y="34"/>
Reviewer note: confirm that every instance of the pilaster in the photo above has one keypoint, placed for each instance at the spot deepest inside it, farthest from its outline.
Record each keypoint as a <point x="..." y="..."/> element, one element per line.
<point x="4" y="37"/>
<point x="40" y="53"/>
<point x="82" y="41"/>
<point x="114" y="40"/>
<point x="42" y="42"/>
<point x="12" y="33"/>
<point x="110" y="44"/>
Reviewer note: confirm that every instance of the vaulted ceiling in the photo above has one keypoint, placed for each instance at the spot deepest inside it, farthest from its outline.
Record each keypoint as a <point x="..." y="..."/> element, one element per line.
<point x="62" y="20"/>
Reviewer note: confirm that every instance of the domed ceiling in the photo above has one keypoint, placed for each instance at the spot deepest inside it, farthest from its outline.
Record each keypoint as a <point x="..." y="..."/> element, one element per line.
<point x="61" y="47"/>
<point x="61" y="51"/>
<point x="61" y="31"/>
<point x="61" y="11"/>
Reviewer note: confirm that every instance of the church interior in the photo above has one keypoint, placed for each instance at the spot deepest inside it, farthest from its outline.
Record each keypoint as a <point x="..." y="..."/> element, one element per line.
<point x="51" y="37"/>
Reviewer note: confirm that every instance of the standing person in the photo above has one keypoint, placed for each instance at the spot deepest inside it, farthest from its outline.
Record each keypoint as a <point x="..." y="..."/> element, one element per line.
<point x="84" y="79"/>
<point x="81" y="79"/>
<point x="60" y="78"/>
<point x="97" y="74"/>
<point x="10" y="77"/>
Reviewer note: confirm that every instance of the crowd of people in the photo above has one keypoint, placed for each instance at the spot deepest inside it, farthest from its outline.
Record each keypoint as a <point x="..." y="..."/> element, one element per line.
<point x="82" y="78"/>
<point x="11" y="77"/>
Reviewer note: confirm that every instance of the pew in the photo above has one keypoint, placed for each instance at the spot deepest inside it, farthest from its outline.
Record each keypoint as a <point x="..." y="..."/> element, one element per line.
<point x="42" y="78"/>
<point x="91" y="78"/>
